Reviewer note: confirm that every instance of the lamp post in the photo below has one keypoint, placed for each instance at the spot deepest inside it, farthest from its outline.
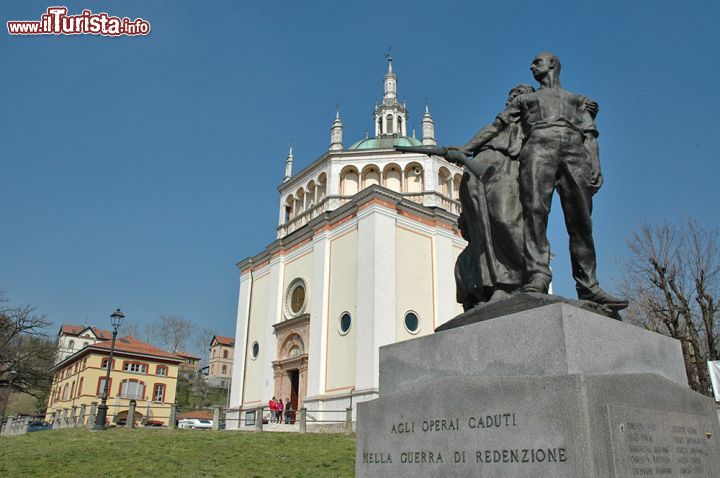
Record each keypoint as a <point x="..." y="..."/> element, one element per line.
<point x="116" y="319"/>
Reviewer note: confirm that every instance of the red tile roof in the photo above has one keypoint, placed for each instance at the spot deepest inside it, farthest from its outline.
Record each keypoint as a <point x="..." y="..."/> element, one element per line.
<point x="224" y="340"/>
<point x="70" y="329"/>
<point x="131" y="344"/>
<point x="201" y="414"/>
<point x="187" y="355"/>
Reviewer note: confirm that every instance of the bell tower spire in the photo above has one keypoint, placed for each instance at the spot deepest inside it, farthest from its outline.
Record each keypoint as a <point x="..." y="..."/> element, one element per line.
<point x="390" y="115"/>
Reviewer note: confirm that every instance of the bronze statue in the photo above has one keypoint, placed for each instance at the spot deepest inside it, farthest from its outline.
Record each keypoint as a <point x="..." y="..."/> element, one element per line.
<point x="559" y="153"/>
<point x="491" y="266"/>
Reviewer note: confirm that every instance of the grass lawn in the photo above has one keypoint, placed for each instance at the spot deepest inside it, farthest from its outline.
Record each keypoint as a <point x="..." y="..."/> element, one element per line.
<point x="176" y="453"/>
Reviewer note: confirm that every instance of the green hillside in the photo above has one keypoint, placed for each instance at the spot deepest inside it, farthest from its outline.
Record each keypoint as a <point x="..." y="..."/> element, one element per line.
<point x="176" y="453"/>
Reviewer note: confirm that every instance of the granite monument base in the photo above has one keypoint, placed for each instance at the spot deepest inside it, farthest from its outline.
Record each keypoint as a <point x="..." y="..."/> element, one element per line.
<point x="551" y="392"/>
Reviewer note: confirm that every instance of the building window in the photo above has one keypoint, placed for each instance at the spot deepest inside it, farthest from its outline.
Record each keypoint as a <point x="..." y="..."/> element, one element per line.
<point x="295" y="298"/>
<point x="344" y="323"/>
<point x="159" y="392"/>
<point x="213" y="352"/>
<point x="225" y="354"/>
<point x="161" y="370"/>
<point x="135" y="367"/>
<point x="224" y="369"/>
<point x="105" y="363"/>
<point x="295" y="351"/>
<point x="66" y="391"/>
<point x="412" y="322"/>
<point x="71" y="345"/>
<point x="77" y="364"/>
<point x="80" y="384"/>
<point x="255" y="350"/>
<point x="84" y="362"/>
<point x="132" y="389"/>
<point x="101" y="387"/>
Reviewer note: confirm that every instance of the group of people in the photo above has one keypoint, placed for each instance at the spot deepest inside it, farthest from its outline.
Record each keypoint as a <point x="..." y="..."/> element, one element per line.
<point x="544" y="141"/>
<point x="279" y="412"/>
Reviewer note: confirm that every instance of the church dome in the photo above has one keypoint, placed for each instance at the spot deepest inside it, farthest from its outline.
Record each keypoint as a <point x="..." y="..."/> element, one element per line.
<point x="386" y="142"/>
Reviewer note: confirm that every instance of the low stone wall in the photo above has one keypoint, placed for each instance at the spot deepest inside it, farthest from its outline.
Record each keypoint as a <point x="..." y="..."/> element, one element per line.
<point x="15" y="426"/>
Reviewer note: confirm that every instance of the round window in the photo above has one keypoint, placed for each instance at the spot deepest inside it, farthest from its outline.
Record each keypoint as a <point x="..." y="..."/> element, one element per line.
<point x="412" y="322"/>
<point x="344" y="323"/>
<point x="296" y="298"/>
<point x="255" y="350"/>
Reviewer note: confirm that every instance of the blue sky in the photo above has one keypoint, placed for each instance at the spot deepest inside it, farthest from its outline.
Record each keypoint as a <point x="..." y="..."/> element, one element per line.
<point x="136" y="171"/>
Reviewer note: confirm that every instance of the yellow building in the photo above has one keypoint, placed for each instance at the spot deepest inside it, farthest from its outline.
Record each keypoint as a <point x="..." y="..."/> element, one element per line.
<point x="222" y="349"/>
<point x="139" y="371"/>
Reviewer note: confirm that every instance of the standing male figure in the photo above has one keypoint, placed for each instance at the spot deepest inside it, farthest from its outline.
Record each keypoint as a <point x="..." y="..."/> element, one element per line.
<point x="556" y="124"/>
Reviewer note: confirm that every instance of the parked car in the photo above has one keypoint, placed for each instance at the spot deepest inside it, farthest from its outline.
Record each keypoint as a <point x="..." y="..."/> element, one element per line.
<point x="199" y="423"/>
<point x="39" y="426"/>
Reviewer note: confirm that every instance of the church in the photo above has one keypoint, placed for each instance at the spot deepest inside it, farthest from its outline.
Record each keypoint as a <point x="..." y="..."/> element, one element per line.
<point x="366" y="245"/>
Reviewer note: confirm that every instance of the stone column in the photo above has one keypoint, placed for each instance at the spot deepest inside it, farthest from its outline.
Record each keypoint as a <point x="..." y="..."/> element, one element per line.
<point x="8" y="426"/>
<point x="216" y="419"/>
<point x="259" y="419"/>
<point x="173" y="414"/>
<point x="64" y="419"/>
<point x="303" y="420"/>
<point x="81" y="417"/>
<point x="131" y="415"/>
<point x="348" y="420"/>
<point x="92" y="415"/>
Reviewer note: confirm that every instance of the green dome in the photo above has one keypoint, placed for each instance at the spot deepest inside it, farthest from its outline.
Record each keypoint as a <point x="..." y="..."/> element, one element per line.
<point x="386" y="142"/>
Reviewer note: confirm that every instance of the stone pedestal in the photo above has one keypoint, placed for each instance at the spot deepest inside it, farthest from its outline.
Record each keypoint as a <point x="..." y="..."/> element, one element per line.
<point x="555" y="391"/>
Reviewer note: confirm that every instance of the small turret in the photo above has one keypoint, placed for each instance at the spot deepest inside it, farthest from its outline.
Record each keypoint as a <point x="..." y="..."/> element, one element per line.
<point x="336" y="134"/>
<point x="288" y="165"/>
<point x="428" y="128"/>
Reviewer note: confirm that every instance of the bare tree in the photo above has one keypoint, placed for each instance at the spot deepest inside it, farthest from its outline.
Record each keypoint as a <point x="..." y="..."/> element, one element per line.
<point x="129" y="328"/>
<point x="204" y="336"/>
<point x="26" y="353"/>
<point x="173" y="332"/>
<point x="673" y="280"/>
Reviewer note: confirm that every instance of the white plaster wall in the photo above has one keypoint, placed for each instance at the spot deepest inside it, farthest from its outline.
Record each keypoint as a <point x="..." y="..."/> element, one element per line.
<point x="241" y="345"/>
<point x="341" y="349"/>
<point x="317" y="346"/>
<point x="274" y="315"/>
<point x="376" y="291"/>
<point x="444" y="259"/>
<point x="254" y="370"/>
<point x="415" y="287"/>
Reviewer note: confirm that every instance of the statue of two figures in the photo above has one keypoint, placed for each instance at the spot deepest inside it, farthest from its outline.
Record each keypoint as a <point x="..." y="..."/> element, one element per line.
<point x="544" y="141"/>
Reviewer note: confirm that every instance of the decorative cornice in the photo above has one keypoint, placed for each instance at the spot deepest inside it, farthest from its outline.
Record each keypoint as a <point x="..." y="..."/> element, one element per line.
<point x="387" y="197"/>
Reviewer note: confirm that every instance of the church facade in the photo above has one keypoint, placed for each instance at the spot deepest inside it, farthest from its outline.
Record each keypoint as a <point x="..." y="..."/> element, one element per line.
<point x="366" y="245"/>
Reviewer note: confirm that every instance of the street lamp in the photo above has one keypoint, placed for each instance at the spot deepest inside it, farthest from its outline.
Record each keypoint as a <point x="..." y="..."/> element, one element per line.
<point x="116" y="319"/>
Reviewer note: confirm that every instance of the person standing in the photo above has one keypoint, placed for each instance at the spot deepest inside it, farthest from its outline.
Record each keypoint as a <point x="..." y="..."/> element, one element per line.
<point x="273" y="409"/>
<point x="288" y="411"/>
<point x="279" y="410"/>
